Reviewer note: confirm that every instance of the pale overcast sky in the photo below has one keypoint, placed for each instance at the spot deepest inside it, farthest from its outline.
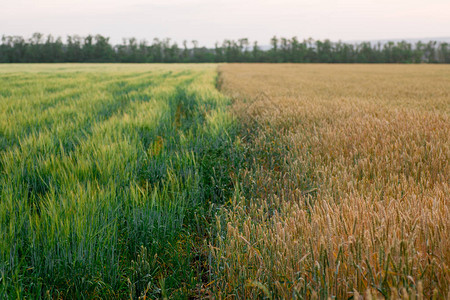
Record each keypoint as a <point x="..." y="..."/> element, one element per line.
<point x="209" y="21"/>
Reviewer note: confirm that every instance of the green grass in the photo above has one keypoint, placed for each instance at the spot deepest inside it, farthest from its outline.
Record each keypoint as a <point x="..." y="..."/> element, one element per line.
<point x="109" y="178"/>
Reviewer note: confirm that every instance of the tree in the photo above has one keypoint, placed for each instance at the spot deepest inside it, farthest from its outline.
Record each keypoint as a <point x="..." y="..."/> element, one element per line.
<point x="40" y="48"/>
<point x="274" y="50"/>
<point x="103" y="51"/>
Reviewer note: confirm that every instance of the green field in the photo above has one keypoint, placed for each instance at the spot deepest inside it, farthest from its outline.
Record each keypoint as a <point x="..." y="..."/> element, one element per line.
<point x="108" y="173"/>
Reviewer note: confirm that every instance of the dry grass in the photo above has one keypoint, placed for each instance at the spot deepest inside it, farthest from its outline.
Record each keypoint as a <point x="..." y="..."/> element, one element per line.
<point x="346" y="185"/>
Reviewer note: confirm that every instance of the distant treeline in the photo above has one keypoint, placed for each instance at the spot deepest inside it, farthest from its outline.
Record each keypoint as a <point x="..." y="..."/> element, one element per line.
<point x="40" y="49"/>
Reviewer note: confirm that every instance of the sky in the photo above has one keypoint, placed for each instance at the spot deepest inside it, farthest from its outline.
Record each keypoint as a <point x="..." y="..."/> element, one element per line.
<point x="209" y="21"/>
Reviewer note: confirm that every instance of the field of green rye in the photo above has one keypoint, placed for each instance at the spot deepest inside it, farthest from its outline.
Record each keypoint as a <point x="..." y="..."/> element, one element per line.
<point x="108" y="173"/>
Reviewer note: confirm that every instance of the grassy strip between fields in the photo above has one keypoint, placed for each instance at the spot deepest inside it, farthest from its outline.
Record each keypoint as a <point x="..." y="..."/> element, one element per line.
<point x="109" y="181"/>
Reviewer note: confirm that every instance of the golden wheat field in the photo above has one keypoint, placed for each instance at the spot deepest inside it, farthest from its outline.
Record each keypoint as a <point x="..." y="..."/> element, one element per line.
<point x="346" y="186"/>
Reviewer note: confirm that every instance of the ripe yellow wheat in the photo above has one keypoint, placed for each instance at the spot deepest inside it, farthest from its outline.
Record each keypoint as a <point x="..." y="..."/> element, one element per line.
<point x="347" y="185"/>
